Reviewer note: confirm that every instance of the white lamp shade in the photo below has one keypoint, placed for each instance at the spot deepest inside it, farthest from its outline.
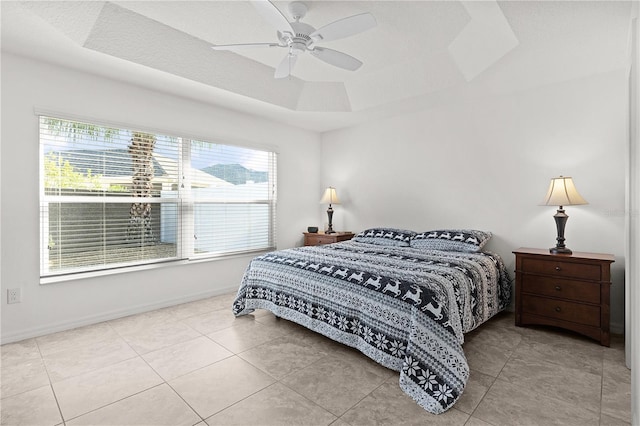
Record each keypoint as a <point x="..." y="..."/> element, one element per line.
<point x="562" y="192"/>
<point x="330" y="196"/>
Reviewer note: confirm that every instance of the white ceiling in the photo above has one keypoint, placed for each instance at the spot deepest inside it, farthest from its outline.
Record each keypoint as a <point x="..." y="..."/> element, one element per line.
<point x="420" y="54"/>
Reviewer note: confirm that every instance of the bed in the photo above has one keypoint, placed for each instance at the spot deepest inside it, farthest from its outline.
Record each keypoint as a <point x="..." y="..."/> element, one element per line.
<point x="402" y="298"/>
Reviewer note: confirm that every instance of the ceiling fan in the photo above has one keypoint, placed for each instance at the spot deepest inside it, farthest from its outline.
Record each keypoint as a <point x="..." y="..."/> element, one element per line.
<point x="299" y="37"/>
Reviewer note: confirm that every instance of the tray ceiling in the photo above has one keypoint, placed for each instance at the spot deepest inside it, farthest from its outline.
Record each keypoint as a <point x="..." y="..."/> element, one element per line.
<point x="419" y="54"/>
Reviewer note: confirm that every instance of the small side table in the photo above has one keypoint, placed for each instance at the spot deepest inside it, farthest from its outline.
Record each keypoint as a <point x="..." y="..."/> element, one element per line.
<point x="317" y="239"/>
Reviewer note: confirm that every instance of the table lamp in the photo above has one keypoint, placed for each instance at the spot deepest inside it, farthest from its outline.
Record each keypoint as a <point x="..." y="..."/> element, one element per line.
<point x="562" y="192"/>
<point x="330" y="197"/>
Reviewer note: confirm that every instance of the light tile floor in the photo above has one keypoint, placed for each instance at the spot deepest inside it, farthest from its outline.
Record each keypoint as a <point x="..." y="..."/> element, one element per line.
<point x="195" y="364"/>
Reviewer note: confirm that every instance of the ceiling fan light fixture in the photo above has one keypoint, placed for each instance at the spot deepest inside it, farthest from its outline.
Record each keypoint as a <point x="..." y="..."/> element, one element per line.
<point x="297" y="48"/>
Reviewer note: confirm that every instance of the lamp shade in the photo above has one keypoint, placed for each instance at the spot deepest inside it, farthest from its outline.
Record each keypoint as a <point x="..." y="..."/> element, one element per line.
<point x="330" y="196"/>
<point x="562" y="192"/>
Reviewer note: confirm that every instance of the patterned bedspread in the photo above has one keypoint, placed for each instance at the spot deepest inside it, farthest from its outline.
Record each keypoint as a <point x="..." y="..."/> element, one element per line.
<point x="405" y="308"/>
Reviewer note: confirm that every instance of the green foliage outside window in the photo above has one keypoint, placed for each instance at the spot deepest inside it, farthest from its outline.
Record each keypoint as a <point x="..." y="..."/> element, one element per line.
<point x="60" y="174"/>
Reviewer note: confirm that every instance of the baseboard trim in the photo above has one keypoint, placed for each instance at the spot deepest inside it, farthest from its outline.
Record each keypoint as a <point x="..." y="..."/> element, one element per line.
<point x="107" y="316"/>
<point x="616" y="328"/>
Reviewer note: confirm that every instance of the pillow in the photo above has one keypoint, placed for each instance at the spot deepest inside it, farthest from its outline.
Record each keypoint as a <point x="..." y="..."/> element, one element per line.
<point x="385" y="237"/>
<point x="466" y="240"/>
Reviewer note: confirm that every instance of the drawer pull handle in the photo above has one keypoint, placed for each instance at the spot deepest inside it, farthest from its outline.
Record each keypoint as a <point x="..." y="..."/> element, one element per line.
<point x="558" y="288"/>
<point x="558" y="268"/>
<point x="558" y="309"/>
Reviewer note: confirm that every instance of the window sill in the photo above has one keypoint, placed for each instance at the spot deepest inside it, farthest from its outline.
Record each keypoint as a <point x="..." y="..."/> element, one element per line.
<point x="138" y="268"/>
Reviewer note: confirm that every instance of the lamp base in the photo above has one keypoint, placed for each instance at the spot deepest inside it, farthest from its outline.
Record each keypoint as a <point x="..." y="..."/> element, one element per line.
<point x="560" y="250"/>
<point x="561" y="220"/>
<point x="330" y="230"/>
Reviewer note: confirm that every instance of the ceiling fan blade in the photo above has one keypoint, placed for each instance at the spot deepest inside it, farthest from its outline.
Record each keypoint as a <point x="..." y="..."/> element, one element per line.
<point x="273" y="16"/>
<point x="344" y="27"/>
<point x="237" y="47"/>
<point x="335" y="58"/>
<point x="286" y="66"/>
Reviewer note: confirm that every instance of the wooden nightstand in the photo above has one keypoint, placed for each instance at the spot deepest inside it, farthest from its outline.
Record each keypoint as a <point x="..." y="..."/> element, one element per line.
<point x="570" y="291"/>
<point x="316" y="239"/>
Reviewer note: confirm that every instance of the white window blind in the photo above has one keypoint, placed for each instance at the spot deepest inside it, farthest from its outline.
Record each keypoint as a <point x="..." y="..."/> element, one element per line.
<point x="232" y="190"/>
<point x="114" y="198"/>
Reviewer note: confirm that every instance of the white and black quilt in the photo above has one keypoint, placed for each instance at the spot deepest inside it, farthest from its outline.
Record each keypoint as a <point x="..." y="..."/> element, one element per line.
<point x="403" y="307"/>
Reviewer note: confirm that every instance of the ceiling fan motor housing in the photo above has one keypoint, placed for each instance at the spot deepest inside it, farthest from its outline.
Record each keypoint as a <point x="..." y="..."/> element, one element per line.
<point x="301" y="40"/>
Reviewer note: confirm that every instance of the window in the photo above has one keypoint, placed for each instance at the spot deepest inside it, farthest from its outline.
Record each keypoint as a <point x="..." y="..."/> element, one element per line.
<point x="113" y="197"/>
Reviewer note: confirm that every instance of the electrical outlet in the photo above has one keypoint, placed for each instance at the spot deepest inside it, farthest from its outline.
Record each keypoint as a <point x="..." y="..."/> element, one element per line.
<point x="13" y="295"/>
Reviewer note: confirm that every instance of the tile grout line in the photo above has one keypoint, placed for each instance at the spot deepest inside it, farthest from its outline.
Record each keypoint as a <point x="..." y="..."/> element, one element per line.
<point x="329" y="355"/>
<point x="53" y="391"/>
<point x="115" y="402"/>
<point x="165" y="382"/>
<point x="314" y="403"/>
<point x="234" y="354"/>
<point x="279" y="380"/>
<point x="137" y="355"/>
<point x="364" y="397"/>
<point x="238" y="401"/>
<point x="495" y="379"/>
<point x="202" y="419"/>
<point x="552" y="362"/>
<point x="510" y="358"/>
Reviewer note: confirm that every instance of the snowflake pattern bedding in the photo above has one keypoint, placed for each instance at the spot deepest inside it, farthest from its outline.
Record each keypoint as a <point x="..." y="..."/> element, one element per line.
<point x="403" y="307"/>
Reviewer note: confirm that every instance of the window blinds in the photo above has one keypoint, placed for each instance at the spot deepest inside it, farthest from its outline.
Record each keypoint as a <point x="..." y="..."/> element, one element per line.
<point x="233" y="193"/>
<point x="117" y="197"/>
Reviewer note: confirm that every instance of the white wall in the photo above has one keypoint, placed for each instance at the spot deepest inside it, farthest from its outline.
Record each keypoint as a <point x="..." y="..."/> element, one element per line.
<point x="27" y="84"/>
<point x="477" y="162"/>
<point x="485" y="163"/>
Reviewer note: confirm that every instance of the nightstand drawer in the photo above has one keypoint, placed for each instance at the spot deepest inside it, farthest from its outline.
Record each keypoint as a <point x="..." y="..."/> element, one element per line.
<point x="317" y="240"/>
<point x="314" y="239"/>
<point x="580" y="291"/>
<point x="562" y="310"/>
<point x="561" y="268"/>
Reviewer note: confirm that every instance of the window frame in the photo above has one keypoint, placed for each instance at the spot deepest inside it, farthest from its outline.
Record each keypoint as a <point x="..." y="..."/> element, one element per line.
<point x="185" y="203"/>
